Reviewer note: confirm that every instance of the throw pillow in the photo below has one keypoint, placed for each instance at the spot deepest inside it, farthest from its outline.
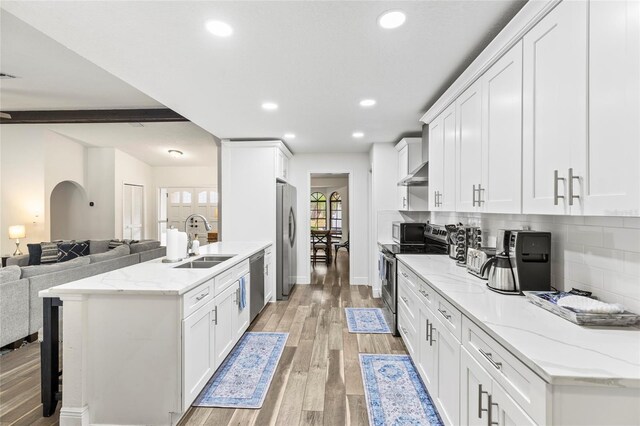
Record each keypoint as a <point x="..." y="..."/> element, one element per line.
<point x="35" y="252"/>
<point x="49" y="253"/>
<point x="122" y="250"/>
<point x="10" y="273"/>
<point x="68" y="251"/>
<point x="32" y="271"/>
<point x="115" y="243"/>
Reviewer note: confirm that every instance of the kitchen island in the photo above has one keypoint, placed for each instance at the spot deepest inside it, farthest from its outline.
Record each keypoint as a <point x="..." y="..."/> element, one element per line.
<point x="141" y="342"/>
<point x="488" y="357"/>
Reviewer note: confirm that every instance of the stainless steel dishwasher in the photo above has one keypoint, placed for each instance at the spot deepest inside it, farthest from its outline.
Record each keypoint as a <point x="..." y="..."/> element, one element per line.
<point x="256" y="300"/>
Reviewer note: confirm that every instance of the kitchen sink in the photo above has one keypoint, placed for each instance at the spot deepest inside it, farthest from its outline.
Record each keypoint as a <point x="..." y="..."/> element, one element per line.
<point x="213" y="258"/>
<point x="204" y="262"/>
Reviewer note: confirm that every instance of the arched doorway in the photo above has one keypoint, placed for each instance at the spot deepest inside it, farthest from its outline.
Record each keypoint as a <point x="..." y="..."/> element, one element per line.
<point x="69" y="211"/>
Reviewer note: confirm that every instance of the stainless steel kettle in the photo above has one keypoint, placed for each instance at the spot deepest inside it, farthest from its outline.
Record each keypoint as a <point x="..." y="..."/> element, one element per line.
<point x="501" y="277"/>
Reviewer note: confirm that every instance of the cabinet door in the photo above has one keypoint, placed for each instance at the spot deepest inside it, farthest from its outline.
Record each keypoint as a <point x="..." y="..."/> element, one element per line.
<point x="554" y="103"/>
<point x="224" y="332"/>
<point x="504" y="410"/>
<point x="242" y="317"/>
<point x="427" y="361"/>
<point x="475" y="388"/>
<point x="268" y="277"/>
<point x="502" y="134"/>
<point x="469" y="146"/>
<point x="448" y="196"/>
<point x="403" y="171"/>
<point x="607" y="164"/>
<point x="198" y="351"/>
<point x="436" y="162"/>
<point x="448" y="376"/>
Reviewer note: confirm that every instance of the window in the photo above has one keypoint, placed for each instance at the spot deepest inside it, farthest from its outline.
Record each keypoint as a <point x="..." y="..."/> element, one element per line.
<point x="335" y="211"/>
<point x="318" y="211"/>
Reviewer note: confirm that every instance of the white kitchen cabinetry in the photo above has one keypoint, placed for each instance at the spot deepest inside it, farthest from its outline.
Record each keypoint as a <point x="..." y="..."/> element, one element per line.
<point x="442" y="161"/>
<point x="410" y="198"/>
<point x="268" y="276"/>
<point x="554" y="107"/>
<point x="198" y="351"/>
<point x="469" y="149"/>
<point x="426" y="360"/>
<point x="241" y="316"/>
<point x="282" y="165"/>
<point x="225" y="332"/>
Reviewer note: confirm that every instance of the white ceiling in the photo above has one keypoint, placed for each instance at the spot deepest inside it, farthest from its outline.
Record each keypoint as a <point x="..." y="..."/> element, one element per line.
<point x="316" y="59"/>
<point x="149" y="143"/>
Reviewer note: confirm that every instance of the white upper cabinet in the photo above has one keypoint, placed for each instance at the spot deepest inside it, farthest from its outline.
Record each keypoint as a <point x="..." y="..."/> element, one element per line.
<point x="469" y="148"/>
<point x="554" y="106"/>
<point x="282" y="165"/>
<point x="442" y="161"/>
<point x="412" y="198"/>
<point x="502" y="135"/>
<point x="403" y="171"/>
<point x="607" y="163"/>
<point x="436" y="162"/>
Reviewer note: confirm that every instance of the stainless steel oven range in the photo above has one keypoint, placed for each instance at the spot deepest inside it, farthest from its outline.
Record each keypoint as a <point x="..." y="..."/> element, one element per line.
<point x="435" y="242"/>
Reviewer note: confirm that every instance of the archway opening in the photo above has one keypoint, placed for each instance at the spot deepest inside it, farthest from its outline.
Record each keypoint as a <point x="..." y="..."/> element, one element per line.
<point x="69" y="211"/>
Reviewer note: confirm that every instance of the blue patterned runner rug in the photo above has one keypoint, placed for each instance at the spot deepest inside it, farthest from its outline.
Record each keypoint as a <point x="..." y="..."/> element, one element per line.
<point x="394" y="392"/>
<point x="366" y="320"/>
<point x="244" y="377"/>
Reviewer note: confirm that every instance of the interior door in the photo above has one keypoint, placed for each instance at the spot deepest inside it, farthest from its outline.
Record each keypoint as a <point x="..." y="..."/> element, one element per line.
<point x="133" y="212"/>
<point x="469" y="147"/>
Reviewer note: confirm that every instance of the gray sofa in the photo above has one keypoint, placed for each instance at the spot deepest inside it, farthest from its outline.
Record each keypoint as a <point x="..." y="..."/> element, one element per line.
<point x="20" y="306"/>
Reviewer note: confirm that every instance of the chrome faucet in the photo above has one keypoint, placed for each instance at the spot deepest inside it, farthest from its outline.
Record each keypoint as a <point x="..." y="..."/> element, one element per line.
<point x="207" y="226"/>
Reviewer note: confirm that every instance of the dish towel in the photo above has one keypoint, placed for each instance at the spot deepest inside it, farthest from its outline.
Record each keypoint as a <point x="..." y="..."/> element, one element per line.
<point x="243" y="294"/>
<point x="589" y="305"/>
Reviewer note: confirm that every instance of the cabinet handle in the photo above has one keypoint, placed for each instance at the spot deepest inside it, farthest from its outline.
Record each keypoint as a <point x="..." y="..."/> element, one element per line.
<point x="480" y="191"/>
<point x="404" y="274"/>
<point x="570" y="180"/>
<point x="431" y="339"/>
<point x="427" y="330"/>
<point x="556" y="178"/>
<point x="490" y="405"/>
<point x="489" y="357"/>
<point x="404" y="201"/>
<point x="473" y="202"/>
<point x="424" y="293"/>
<point x="215" y="318"/>
<point x="405" y="299"/>
<point x="200" y="297"/>
<point x="445" y="314"/>
<point x="480" y="409"/>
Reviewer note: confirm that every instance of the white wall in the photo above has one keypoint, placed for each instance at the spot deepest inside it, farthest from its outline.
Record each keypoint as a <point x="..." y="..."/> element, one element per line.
<point x="189" y="177"/>
<point x="357" y="166"/>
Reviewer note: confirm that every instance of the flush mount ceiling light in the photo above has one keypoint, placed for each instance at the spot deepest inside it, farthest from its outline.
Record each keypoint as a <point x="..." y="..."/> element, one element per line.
<point x="289" y="136"/>
<point x="367" y="103"/>
<point x="392" y="19"/>
<point x="219" y="28"/>
<point x="269" y="106"/>
<point x="357" y="135"/>
<point x="175" y="153"/>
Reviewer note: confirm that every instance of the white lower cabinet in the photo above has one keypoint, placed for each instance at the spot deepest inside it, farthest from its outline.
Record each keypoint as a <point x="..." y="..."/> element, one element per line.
<point x="448" y="375"/>
<point x="198" y="351"/>
<point x="426" y="359"/>
<point x="241" y="316"/>
<point x="269" y="276"/>
<point x="225" y="332"/>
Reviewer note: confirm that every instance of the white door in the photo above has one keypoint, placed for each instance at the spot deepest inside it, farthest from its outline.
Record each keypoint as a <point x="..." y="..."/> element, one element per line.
<point x="436" y="162"/>
<point x="226" y="311"/>
<point x="198" y="347"/>
<point x="504" y="410"/>
<point x="502" y="134"/>
<point x="182" y="202"/>
<point x="448" y="376"/>
<point x="448" y="196"/>
<point x="607" y="163"/>
<point x="132" y="212"/>
<point x="427" y="361"/>
<point x="242" y="317"/>
<point x="475" y="388"/>
<point x="179" y="204"/>
<point x="469" y="148"/>
<point x="554" y="104"/>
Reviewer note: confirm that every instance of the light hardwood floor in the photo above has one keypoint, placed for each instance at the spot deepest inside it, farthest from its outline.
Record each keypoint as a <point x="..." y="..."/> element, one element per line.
<point x="317" y="381"/>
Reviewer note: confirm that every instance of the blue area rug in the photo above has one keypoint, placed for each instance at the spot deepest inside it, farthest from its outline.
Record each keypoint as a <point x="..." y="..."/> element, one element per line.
<point x="395" y="394"/>
<point x="244" y="377"/>
<point x="366" y="320"/>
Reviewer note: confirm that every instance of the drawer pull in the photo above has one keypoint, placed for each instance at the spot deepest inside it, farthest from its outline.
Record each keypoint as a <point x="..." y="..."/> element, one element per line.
<point x="431" y="339"/>
<point x="215" y="318"/>
<point x="404" y="275"/>
<point x="424" y="293"/>
<point x="490" y="406"/>
<point x="200" y="297"/>
<point x="405" y="300"/>
<point x="427" y="331"/>
<point x="480" y="409"/>
<point x="445" y="314"/>
<point x="489" y="357"/>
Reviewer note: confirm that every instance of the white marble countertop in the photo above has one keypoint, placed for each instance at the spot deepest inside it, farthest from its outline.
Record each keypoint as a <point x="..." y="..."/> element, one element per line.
<point x="559" y="351"/>
<point x="155" y="277"/>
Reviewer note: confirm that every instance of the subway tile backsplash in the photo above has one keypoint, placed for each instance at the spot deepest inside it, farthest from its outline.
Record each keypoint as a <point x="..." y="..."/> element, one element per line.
<point x="599" y="254"/>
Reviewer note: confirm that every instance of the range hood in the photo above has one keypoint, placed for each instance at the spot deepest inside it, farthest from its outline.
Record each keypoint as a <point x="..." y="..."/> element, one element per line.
<point x="418" y="177"/>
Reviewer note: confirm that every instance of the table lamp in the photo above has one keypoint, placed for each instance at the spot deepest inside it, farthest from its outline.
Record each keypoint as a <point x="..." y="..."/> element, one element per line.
<point x="15" y="233"/>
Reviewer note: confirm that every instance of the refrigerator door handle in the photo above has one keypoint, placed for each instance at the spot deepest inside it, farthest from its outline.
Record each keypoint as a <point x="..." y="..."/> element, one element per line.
<point x="292" y="227"/>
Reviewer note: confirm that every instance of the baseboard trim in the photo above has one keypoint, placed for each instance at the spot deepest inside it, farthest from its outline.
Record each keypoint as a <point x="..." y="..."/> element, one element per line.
<point x="360" y="281"/>
<point x="73" y="416"/>
<point x="303" y="280"/>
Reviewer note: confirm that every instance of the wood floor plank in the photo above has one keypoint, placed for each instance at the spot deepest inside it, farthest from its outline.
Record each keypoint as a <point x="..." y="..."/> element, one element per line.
<point x="335" y="410"/>
<point x="311" y="418"/>
<point x="357" y="411"/>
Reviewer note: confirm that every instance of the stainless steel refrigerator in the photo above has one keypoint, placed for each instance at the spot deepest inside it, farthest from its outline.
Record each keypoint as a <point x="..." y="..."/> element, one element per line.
<point x="285" y="240"/>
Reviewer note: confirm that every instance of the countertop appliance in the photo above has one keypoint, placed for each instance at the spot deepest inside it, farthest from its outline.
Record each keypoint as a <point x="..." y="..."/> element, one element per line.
<point x="461" y="238"/>
<point x="256" y="284"/>
<point x="406" y="233"/>
<point x="476" y="258"/>
<point x="434" y="242"/>
<point x="285" y="240"/>
<point x="522" y="262"/>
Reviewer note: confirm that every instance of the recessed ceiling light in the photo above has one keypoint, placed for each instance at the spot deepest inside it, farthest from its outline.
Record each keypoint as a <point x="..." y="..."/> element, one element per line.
<point x="392" y="19"/>
<point x="357" y="135"/>
<point x="289" y="136"/>
<point x="269" y="106"/>
<point x="219" y="28"/>
<point x="367" y="102"/>
<point x="175" y="153"/>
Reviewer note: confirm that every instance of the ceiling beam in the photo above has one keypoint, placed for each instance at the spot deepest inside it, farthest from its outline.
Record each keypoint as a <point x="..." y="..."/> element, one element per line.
<point x="92" y="116"/>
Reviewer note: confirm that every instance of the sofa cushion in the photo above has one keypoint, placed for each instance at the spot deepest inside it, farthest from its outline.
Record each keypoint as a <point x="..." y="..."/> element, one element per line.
<point x="68" y="251"/>
<point x="35" y="270"/>
<point x="116" y="243"/>
<point x="121" y="250"/>
<point x="10" y="273"/>
<point x="144" y="246"/>
<point x="35" y="251"/>
<point x="49" y="253"/>
<point x="98" y="246"/>
<point x="14" y="311"/>
<point x="22" y="260"/>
